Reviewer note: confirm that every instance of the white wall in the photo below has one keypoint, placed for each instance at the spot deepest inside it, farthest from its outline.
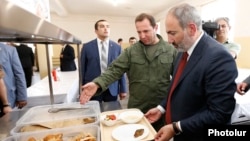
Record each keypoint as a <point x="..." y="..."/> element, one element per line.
<point x="242" y="20"/>
<point x="82" y="26"/>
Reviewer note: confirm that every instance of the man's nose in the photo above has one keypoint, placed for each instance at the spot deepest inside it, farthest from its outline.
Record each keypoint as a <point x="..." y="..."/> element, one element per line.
<point x="170" y="40"/>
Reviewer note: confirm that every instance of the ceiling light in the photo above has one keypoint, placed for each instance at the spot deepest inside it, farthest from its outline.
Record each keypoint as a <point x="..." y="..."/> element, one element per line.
<point x="116" y="2"/>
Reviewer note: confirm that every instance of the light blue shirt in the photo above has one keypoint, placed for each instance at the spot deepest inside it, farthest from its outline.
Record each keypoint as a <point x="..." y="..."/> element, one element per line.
<point x="14" y="76"/>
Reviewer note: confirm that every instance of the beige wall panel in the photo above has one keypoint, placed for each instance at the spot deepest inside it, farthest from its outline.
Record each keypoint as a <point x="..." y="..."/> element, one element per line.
<point x="244" y="56"/>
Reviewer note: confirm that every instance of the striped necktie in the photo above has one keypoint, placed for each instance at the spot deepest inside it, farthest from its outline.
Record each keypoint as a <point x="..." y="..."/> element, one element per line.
<point x="104" y="58"/>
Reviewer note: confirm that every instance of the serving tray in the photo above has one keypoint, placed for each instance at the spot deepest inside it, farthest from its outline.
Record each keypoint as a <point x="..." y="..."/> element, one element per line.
<point x="106" y="131"/>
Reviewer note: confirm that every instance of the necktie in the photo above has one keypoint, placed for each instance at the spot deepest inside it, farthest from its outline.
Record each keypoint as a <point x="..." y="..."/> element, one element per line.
<point x="180" y="68"/>
<point x="104" y="59"/>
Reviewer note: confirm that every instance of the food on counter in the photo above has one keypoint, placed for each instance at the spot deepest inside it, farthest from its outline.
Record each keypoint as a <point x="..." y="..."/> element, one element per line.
<point x="110" y="117"/>
<point x="57" y="124"/>
<point x="56" y="137"/>
<point x="59" y="137"/>
<point x="83" y="137"/>
<point x="28" y="128"/>
<point x="89" y="120"/>
<point x="50" y="137"/>
<point x="138" y="133"/>
<point x="32" y="139"/>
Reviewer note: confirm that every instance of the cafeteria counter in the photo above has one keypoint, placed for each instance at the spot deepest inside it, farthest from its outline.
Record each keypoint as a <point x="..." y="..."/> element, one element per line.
<point x="65" y="90"/>
<point x="8" y="121"/>
<point x="241" y="114"/>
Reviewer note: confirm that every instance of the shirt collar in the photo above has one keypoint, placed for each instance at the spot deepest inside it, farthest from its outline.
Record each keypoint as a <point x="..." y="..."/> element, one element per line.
<point x="106" y="42"/>
<point x="64" y="46"/>
<point x="191" y="49"/>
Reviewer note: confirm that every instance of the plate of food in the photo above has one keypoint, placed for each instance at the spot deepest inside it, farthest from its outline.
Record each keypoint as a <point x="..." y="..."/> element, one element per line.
<point x="109" y="119"/>
<point x="130" y="132"/>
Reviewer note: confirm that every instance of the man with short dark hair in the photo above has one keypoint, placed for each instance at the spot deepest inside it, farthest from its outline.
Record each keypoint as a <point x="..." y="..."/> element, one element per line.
<point x="120" y="40"/>
<point x="132" y="40"/>
<point x="67" y="58"/>
<point x="148" y="65"/>
<point x="96" y="57"/>
<point x="27" y="60"/>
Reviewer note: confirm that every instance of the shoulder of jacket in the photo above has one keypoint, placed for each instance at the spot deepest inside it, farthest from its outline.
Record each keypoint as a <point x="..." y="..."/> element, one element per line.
<point x="89" y="42"/>
<point x="114" y="43"/>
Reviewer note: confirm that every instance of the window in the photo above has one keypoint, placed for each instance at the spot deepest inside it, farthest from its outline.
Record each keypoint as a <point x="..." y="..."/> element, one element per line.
<point x="219" y="8"/>
<point x="159" y="27"/>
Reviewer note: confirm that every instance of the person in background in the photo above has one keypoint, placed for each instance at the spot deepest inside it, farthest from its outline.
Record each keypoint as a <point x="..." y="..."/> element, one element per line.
<point x="222" y="36"/>
<point x="67" y="58"/>
<point x="27" y="59"/>
<point x="91" y="62"/>
<point x="14" y="78"/>
<point x="148" y="65"/>
<point x="243" y="87"/>
<point x="204" y="93"/>
<point x="120" y="40"/>
<point x="132" y="40"/>
<point x="4" y="103"/>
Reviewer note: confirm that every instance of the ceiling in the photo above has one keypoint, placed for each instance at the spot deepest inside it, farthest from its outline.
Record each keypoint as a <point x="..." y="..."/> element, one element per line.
<point x="127" y="8"/>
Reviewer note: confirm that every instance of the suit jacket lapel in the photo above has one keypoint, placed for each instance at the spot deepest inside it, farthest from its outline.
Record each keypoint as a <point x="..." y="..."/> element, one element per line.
<point x="110" y="52"/>
<point x="193" y="60"/>
<point x="95" y="51"/>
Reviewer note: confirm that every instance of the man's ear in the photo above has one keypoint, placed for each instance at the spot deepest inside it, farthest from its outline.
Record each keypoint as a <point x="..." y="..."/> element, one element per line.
<point x="192" y="29"/>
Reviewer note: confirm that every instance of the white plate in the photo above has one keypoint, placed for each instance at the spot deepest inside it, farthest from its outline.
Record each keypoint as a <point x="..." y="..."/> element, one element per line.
<point x="131" y="116"/>
<point x="126" y="132"/>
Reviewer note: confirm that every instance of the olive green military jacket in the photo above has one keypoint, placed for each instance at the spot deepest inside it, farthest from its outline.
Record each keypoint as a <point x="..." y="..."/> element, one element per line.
<point x="148" y="78"/>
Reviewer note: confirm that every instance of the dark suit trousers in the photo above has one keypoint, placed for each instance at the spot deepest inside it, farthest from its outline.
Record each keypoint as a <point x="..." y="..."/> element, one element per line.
<point x="28" y="75"/>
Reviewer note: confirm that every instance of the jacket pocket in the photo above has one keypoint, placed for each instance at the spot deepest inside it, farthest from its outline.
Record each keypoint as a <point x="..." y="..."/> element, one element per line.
<point x="166" y="59"/>
<point x="137" y="60"/>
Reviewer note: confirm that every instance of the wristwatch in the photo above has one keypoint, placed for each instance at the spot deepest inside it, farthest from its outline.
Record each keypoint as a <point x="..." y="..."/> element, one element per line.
<point x="176" y="130"/>
<point x="6" y="105"/>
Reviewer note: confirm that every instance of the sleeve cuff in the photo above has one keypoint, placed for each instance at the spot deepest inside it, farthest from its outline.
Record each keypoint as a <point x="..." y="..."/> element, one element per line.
<point x="179" y="125"/>
<point x="161" y="109"/>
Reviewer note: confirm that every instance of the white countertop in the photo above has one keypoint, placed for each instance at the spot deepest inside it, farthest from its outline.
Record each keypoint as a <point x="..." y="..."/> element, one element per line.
<point x="68" y="84"/>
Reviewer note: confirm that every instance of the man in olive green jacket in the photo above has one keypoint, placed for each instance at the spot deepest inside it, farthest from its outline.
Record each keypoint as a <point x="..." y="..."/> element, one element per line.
<point x="148" y="64"/>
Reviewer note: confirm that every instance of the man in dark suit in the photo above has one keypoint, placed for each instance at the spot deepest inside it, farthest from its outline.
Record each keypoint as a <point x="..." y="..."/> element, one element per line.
<point x="27" y="59"/>
<point x="204" y="92"/>
<point x="91" y="62"/>
<point x="67" y="58"/>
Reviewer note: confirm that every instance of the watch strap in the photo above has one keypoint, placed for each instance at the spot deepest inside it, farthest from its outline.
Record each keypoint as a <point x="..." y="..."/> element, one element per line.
<point x="6" y="105"/>
<point x="176" y="130"/>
